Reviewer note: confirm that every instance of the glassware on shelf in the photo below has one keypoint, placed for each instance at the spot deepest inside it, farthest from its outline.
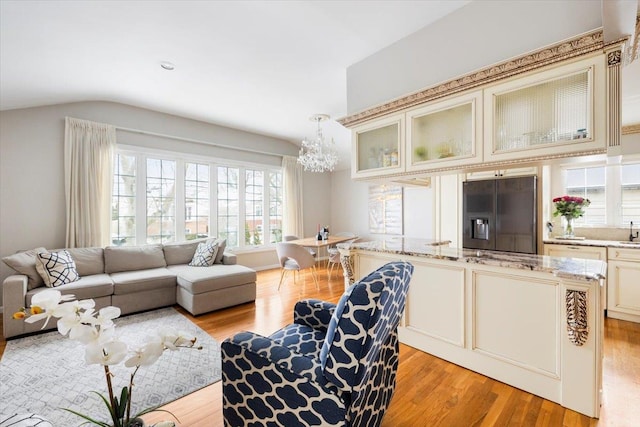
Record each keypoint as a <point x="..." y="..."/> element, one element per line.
<point x="544" y="113"/>
<point x="378" y="147"/>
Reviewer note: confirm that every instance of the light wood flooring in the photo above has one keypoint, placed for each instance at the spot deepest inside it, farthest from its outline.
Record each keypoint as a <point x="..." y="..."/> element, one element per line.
<point x="430" y="391"/>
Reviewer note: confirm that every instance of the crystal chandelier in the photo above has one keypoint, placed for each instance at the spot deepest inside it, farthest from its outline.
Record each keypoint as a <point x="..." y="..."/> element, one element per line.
<point x="317" y="155"/>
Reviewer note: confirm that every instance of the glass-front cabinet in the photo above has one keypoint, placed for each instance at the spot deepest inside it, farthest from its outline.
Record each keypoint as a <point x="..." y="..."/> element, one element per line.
<point x="546" y="113"/>
<point x="445" y="133"/>
<point x="378" y="147"/>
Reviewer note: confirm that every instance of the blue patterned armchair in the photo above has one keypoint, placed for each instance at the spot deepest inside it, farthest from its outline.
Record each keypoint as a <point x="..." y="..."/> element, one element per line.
<point x="334" y="366"/>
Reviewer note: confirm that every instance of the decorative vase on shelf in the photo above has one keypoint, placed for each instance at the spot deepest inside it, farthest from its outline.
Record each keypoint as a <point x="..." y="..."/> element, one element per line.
<point x="568" y="227"/>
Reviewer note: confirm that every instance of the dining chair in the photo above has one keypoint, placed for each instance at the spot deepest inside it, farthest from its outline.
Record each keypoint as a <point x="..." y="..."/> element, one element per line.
<point x="290" y="237"/>
<point x="294" y="258"/>
<point x="334" y="257"/>
<point x="334" y="254"/>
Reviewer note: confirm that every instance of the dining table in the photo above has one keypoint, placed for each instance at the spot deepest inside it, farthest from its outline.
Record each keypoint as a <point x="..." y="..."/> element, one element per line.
<point x="313" y="242"/>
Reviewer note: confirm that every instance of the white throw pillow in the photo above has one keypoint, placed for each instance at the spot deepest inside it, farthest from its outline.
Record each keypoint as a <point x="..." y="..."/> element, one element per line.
<point x="56" y="268"/>
<point x="205" y="254"/>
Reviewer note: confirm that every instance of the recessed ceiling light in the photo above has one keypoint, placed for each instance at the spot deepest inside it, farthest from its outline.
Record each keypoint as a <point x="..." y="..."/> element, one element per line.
<point x="167" y="65"/>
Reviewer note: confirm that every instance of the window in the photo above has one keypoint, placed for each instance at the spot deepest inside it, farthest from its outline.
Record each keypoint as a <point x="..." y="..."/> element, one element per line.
<point x="196" y="200"/>
<point x="630" y="193"/>
<point x="123" y="206"/>
<point x="254" y="200"/>
<point x="161" y="190"/>
<point x="614" y="192"/>
<point x="228" y="204"/>
<point x="589" y="183"/>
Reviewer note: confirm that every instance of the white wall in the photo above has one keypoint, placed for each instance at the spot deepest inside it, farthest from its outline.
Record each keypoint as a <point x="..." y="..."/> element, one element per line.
<point x="630" y="143"/>
<point x="32" y="211"/>
<point x="475" y="36"/>
<point x="349" y="201"/>
<point x="317" y="202"/>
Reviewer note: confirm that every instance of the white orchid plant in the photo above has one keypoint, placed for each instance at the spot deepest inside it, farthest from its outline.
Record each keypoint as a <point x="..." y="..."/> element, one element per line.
<point x="96" y="330"/>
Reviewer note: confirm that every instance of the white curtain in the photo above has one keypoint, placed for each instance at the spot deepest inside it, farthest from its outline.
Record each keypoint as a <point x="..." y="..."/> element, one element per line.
<point x="89" y="150"/>
<point x="292" y="195"/>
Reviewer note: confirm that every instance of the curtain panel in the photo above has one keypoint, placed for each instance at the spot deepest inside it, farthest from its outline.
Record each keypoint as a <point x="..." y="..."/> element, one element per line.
<point x="89" y="150"/>
<point x="292" y="197"/>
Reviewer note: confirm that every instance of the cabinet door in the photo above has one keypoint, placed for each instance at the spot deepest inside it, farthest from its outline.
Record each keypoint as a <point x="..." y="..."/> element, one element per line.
<point x="377" y="148"/>
<point x="623" y="270"/>
<point x="445" y="133"/>
<point x="624" y="290"/>
<point x="547" y="113"/>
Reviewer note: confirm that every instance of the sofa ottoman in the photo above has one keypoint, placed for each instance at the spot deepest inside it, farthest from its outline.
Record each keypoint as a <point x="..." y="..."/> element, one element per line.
<point x="204" y="289"/>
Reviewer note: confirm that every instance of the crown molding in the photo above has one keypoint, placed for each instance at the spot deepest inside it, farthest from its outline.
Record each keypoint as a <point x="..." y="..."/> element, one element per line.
<point x="559" y="52"/>
<point x="628" y="130"/>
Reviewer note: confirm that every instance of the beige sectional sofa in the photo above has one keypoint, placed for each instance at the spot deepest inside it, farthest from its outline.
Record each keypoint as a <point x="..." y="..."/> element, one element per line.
<point x="133" y="278"/>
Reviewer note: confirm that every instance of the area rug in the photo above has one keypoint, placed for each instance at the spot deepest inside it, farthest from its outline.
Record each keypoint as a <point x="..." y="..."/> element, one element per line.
<point x="42" y="373"/>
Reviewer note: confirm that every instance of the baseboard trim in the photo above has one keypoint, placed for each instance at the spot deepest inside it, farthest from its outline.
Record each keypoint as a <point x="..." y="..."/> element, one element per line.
<point x="266" y="267"/>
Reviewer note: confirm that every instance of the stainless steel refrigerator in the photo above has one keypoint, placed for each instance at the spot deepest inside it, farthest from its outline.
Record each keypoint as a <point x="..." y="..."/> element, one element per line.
<point x="501" y="214"/>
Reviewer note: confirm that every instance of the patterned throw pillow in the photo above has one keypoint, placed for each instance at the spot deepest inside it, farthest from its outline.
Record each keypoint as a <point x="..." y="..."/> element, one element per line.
<point x="56" y="268"/>
<point x="205" y="254"/>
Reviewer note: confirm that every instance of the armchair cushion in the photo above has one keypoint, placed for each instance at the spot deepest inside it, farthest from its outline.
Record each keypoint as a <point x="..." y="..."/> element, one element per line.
<point x="265" y="380"/>
<point x="302" y="339"/>
<point x="313" y="313"/>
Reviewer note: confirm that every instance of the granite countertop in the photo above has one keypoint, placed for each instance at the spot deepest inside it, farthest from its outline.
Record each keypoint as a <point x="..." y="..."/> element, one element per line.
<point x="570" y="268"/>
<point x="591" y="242"/>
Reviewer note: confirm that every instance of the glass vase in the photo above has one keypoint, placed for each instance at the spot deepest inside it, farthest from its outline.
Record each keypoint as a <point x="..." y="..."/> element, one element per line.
<point x="568" y="227"/>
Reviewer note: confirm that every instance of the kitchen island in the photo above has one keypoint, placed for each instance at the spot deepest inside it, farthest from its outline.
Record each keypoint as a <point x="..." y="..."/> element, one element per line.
<point x="533" y="322"/>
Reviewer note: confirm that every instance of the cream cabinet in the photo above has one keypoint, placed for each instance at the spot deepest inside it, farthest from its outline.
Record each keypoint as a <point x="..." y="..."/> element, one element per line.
<point x="502" y="173"/>
<point x="553" y="112"/>
<point x="378" y="147"/>
<point x="623" y="270"/>
<point x="446" y="133"/>
<point x="504" y="322"/>
<point x="575" y="251"/>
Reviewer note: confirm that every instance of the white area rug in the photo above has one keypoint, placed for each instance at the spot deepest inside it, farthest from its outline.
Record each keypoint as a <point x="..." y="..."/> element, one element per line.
<point x="41" y="374"/>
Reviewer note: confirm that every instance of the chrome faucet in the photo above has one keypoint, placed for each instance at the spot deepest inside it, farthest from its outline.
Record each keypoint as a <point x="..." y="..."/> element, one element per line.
<point x="631" y="236"/>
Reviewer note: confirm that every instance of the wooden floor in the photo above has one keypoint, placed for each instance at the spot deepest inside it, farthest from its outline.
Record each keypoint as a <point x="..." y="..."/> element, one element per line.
<point x="430" y="391"/>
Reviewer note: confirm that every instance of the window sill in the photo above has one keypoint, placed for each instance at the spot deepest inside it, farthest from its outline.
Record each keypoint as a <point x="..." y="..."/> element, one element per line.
<point x="252" y="249"/>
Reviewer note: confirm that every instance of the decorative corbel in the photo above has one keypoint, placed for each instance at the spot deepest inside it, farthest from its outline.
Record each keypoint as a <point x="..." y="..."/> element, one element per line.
<point x="346" y="259"/>
<point x="577" y="327"/>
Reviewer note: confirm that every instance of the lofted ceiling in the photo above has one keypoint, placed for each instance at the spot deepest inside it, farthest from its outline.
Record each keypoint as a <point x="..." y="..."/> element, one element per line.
<point x="260" y="66"/>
